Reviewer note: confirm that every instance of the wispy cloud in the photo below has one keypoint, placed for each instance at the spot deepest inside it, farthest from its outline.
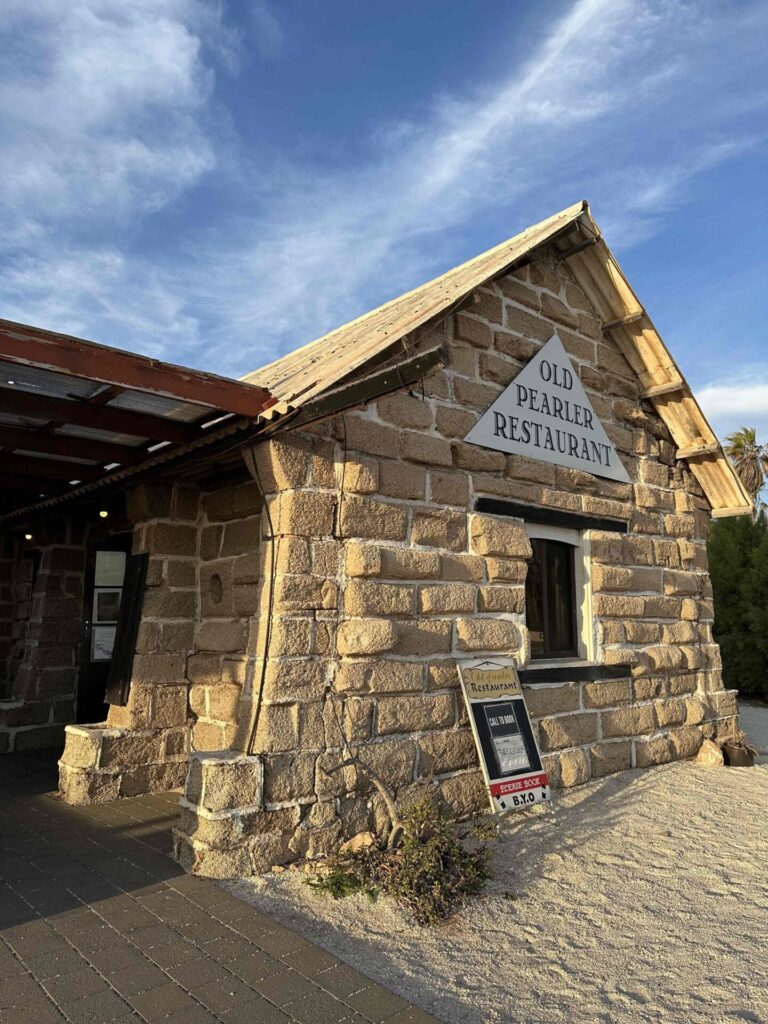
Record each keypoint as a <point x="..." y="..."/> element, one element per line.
<point x="525" y="146"/>
<point x="104" y="108"/>
<point x="643" y="198"/>
<point x="113" y="124"/>
<point x="738" y="401"/>
<point x="101" y="105"/>
<point x="268" y="32"/>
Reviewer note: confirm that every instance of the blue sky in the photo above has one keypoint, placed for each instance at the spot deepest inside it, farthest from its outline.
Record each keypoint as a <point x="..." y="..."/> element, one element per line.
<point x="215" y="183"/>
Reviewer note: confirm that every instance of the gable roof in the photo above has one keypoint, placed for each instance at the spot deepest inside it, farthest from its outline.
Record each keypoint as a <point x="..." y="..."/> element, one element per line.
<point x="323" y="364"/>
<point x="312" y="369"/>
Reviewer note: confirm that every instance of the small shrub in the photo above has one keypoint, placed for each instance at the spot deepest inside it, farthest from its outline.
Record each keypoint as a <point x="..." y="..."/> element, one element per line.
<point x="341" y="881"/>
<point x="435" y="869"/>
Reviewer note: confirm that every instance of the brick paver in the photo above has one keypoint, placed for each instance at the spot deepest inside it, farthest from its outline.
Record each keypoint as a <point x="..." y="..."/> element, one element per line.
<point x="100" y="926"/>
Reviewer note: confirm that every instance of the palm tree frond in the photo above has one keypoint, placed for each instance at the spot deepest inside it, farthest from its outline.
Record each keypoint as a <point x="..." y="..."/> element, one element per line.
<point x="749" y="458"/>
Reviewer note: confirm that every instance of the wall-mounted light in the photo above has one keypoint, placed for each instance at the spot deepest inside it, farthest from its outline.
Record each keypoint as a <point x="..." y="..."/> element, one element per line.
<point x="103" y="514"/>
<point x="27" y="536"/>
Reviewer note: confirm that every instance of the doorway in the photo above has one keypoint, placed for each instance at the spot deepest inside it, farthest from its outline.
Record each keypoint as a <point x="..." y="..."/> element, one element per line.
<point x="104" y="578"/>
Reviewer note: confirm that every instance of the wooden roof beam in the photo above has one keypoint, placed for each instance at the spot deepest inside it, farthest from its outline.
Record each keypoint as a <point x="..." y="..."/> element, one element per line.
<point x="380" y="382"/>
<point x="623" y="321"/>
<point x="565" y="254"/>
<point x="656" y="390"/>
<point x="49" y="469"/>
<point x="99" y="417"/>
<point x="32" y="346"/>
<point x="696" y="450"/>
<point x="736" y="510"/>
<point x="19" y="439"/>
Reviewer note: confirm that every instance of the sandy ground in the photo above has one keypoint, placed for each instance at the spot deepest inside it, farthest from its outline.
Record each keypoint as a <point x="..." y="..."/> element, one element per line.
<point x="642" y="897"/>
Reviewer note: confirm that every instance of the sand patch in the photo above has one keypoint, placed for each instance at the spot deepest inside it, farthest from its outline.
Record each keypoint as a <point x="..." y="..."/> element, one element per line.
<point x="642" y="897"/>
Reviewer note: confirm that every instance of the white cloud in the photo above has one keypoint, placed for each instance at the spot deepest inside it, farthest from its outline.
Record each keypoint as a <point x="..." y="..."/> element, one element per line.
<point x="642" y="198"/>
<point x="736" y="402"/>
<point x="88" y="291"/>
<point x="268" y="33"/>
<point x="740" y="401"/>
<point x="104" y="120"/>
<point x="329" y="249"/>
<point x="102" y="117"/>
<point x="736" y="399"/>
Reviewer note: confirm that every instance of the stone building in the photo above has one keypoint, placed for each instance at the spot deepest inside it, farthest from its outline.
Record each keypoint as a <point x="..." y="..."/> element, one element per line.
<point x="301" y="573"/>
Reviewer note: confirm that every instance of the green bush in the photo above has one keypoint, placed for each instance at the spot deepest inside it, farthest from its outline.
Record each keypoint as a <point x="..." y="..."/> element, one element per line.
<point x="738" y="565"/>
<point x="433" y="871"/>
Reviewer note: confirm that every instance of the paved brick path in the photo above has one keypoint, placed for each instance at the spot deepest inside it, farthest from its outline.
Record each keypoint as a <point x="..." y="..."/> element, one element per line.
<point x="99" y="925"/>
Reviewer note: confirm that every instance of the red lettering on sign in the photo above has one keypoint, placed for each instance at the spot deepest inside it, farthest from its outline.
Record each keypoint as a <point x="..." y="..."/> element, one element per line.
<point x="519" y="785"/>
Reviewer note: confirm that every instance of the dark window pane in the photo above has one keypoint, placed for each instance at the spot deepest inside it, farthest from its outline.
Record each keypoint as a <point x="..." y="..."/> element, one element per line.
<point x="559" y="608"/>
<point x="550" y="600"/>
<point x="534" y="599"/>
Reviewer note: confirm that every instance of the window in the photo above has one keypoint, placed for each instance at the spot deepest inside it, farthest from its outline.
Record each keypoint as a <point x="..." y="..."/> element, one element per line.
<point x="109" y="570"/>
<point x="557" y="599"/>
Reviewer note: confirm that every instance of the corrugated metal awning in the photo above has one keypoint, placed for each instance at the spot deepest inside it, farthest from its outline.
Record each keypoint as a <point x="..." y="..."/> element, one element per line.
<point x="73" y="412"/>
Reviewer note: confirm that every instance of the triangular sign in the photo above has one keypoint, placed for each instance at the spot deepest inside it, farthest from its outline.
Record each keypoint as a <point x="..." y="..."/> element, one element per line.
<point x="545" y="414"/>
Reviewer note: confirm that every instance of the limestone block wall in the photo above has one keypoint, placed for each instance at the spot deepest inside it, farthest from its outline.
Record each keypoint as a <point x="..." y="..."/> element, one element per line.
<point x="191" y="659"/>
<point x="44" y="612"/>
<point x="143" y="746"/>
<point x="386" y="576"/>
<point x="230" y="573"/>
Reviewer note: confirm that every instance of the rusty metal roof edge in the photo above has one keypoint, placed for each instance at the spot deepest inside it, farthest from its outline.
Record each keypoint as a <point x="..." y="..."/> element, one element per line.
<point x="240" y="429"/>
<point x="18" y="338"/>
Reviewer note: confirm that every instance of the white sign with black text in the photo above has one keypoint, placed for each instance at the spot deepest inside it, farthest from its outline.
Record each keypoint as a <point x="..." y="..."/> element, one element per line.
<point x="545" y="414"/>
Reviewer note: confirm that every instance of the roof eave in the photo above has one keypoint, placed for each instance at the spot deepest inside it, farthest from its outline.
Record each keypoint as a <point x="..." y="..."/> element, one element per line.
<point x="631" y="328"/>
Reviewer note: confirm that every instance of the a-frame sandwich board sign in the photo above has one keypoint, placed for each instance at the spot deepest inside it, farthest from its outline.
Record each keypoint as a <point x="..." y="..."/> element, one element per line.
<point x="509" y="754"/>
<point x="546" y="414"/>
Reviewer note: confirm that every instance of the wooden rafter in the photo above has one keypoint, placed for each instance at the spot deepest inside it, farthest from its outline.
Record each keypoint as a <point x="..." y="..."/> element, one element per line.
<point x="48" y="469"/>
<point x="565" y="254"/>
<point x="622" y="321"/>
<point x="663" y="389"/>
<point x="600" y="276"/>
<point x="694" y="451"/>
<point x="106" y="395"/>
<point x="737" y="510"/>
<point x="99" y="417"/>
<point x="16" y="439"/>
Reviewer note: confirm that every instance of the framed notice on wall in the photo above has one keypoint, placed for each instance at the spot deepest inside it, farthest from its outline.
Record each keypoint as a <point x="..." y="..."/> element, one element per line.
<point x="509" y="755"/>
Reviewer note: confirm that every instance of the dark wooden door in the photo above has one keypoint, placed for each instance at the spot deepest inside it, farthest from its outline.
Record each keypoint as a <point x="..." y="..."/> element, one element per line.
<point x="104" y="576"/>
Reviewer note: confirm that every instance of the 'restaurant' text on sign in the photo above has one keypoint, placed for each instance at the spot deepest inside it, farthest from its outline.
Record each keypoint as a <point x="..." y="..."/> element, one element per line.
<point x="545" y="414"/>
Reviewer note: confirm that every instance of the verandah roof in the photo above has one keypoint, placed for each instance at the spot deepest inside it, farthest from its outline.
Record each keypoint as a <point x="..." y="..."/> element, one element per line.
<point x="73" y="412"/>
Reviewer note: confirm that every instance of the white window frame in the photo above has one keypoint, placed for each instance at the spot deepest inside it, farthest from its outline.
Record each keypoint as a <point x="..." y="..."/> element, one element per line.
<point x="582" y="584"/>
